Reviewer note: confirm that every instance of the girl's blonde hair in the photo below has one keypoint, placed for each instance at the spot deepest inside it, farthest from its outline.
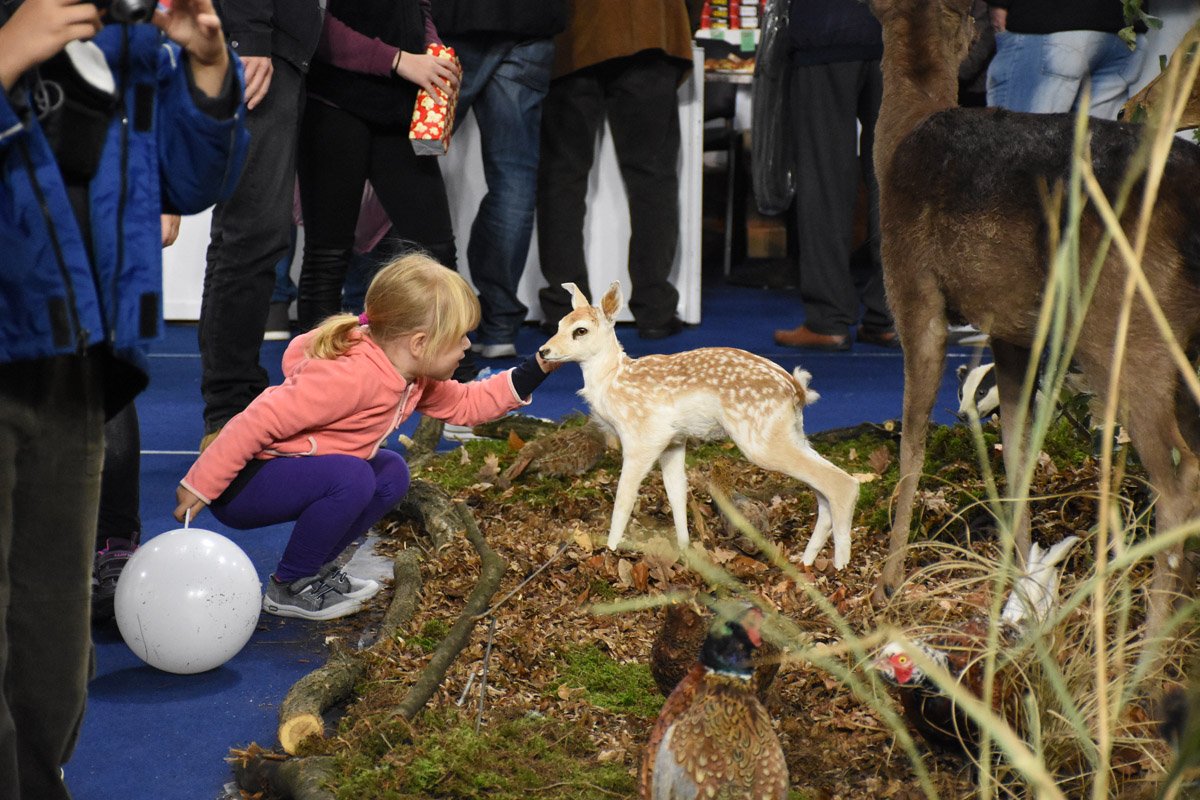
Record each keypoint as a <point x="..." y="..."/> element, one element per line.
<point x="413" y="293"/>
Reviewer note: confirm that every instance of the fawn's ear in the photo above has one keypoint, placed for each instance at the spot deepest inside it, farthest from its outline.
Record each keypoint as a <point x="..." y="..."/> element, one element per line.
<point x="578" y="299"/>
<point x="613" y="301"/>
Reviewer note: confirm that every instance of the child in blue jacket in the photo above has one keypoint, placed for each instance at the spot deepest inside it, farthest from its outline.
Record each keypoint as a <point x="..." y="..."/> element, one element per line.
<point x="103" y="125"/>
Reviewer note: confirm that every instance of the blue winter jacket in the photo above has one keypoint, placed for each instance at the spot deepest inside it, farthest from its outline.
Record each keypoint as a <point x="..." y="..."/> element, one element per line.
<point x="161" y="152"/>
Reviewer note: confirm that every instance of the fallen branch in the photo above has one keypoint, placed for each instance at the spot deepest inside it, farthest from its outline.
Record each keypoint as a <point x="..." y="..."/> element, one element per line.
<point x="491" y="573"/>
<point x="300" y="714"/>
<point x="294" y="779"/>
<point x="259" y="772"/>
<point x="432" y="508"/>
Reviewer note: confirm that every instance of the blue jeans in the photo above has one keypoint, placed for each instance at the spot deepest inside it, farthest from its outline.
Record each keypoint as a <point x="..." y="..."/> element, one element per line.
<point x="285" y="288"/>
<point x="1047" y="73"/>
<point x="504" y="81"/>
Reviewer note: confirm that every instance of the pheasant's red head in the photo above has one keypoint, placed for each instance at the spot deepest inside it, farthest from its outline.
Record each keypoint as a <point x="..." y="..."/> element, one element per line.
<point x="896" y="666"/>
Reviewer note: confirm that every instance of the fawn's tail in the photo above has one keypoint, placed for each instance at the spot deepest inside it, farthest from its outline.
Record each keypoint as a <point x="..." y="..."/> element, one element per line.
<point x="805" y="395"/>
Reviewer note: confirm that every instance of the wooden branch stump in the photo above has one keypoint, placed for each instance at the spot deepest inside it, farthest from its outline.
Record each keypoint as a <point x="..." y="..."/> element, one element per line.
<point x="433" y="510"/>
<point x="300" y="714"/>
<point x="491" y="573"/>
<point x="290" y="779"/>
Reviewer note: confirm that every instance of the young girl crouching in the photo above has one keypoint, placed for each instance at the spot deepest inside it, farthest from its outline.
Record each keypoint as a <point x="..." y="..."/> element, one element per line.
<point x="310" y="449"/>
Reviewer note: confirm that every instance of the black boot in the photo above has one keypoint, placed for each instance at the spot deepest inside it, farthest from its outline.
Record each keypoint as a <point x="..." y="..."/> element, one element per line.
<point x="322" y="276"/>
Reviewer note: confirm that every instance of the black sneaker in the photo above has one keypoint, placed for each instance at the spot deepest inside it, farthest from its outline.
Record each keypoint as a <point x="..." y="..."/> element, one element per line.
<point x="307" y="598"/>
<point x="106" y="571"/>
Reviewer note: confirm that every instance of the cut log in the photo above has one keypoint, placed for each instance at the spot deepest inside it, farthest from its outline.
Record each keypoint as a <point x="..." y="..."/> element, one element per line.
<point x="491" y="573"/>
<point x="261" y="772"/>
<point x="433" y="510"/>
<point x="300" y="714"/>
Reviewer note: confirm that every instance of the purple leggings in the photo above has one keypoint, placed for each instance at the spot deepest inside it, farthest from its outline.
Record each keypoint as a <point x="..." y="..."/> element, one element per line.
<point x="334" y="499"/>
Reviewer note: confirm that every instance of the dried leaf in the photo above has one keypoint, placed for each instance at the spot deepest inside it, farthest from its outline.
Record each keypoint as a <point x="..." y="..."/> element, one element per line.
<point x="464" y="457"/>
<point x="879" y="459"/>
<point x="722" y="555"/>
<point x="582" y="540"/>
<point x="641" y="576"/>
<point x="490" y="468"/>
<point x="515" y="442"/>
<point x="625" y="572"/>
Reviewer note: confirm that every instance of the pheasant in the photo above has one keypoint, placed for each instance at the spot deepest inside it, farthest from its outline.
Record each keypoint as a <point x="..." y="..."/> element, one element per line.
<point x="928" y="709"/>
<point x="679" y="640"/>
<point x="713" y="738"/>
<point x="566" y="452"/>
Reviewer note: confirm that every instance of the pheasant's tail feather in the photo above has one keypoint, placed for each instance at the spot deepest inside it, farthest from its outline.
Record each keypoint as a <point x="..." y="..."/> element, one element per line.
<point x="1036" y="592"/>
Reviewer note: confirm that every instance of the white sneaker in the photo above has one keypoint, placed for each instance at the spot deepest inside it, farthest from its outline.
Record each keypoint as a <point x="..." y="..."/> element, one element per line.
<point x="458" y="433"/>
<point x="494" y="350"/>
<point x="965" y="334"/>
<point x="349" y="586"/>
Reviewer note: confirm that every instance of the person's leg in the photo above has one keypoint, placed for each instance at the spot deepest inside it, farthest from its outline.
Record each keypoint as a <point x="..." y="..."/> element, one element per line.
<point x="1115" y="69"/>
<point x="508" y="111"/>
<point x="279" y="327"/>
<point x="411" y="191"/>
<point x="643" y="112"/>
<point x="119" y="528"/>
<point x="868" y="280"/>
<point x="51" y="449"/>
<point x="825" y="106"/>
<point x="391" y="485"/>
<point x="1038" y="73"/>
<point x="571" y="117"/>
<point x="324" y="495"/>
<point x="250" y="233"/>
<point x="335" y="149"/>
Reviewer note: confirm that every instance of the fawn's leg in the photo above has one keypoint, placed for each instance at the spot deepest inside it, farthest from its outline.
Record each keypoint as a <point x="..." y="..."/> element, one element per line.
<point x="635" y="463"/>
<point x="675" y="481"/>
<point x="1012" y="362"/>
<point x="923" y="334"/>
<point x="777" y="449"/>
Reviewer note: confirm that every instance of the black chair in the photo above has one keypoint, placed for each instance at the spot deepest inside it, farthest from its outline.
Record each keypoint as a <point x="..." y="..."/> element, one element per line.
<point x="721" y="133"/>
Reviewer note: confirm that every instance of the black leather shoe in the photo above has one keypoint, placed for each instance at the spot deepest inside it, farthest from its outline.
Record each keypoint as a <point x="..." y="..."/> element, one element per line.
<point x="671" y="327"/>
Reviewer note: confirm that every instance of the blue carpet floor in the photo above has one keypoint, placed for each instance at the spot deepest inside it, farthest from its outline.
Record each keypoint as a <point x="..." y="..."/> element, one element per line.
<point x="149" y="735"/>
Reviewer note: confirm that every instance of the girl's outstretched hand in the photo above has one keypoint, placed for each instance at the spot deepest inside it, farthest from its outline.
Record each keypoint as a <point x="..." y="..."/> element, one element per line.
<point x="185" y="502"/>
<point x="548" y="366"/>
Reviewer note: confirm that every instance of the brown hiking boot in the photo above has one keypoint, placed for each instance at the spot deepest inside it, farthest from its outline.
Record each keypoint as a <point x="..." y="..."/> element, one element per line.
<point x="807" y="339"/>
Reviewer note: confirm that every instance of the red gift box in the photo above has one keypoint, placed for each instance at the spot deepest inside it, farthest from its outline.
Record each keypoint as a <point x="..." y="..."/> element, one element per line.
<point x="433" y="115"/>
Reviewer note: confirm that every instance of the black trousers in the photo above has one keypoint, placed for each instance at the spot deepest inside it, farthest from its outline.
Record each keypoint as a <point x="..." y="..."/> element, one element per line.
<point x="339" y="152"/>
<point x="637" y="95"/>
<point x="251" y="232"/>
<point x="828" y="102"/>
<point x="51" y="447"/>
<point x="120" y="494"/>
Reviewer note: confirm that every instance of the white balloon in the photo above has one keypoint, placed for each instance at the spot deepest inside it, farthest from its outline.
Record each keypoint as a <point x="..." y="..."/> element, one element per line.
<point x="187" y="601"/>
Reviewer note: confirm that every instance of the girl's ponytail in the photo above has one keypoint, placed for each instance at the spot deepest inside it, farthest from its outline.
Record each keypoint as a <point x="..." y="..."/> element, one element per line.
<point x="332" y="337"/>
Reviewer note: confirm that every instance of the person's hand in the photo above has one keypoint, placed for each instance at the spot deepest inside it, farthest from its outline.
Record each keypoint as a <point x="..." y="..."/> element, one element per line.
<point x="194" y="26"/>
<point x="428" y="72"/>
<point x="259" y="71"/>
<point x="548" y="366"/>
<point x="185" y="501"/>
<point x="38" y="29"/>
<point x="170" y="229"/>
<point x="999" y="17"/>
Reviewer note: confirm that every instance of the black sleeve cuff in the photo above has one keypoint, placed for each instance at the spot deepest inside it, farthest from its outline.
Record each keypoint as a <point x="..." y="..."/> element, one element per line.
<point x="222" y="106"/>
<point x="527" y="376"/>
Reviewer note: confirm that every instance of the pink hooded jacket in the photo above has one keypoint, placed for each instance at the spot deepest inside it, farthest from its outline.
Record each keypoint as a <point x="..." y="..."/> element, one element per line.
<point x="347" y="405"/>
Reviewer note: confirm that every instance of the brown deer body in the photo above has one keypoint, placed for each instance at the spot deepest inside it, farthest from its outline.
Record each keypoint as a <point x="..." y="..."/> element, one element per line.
<point x="964" y="233"/>
<point x="655" y="403"/>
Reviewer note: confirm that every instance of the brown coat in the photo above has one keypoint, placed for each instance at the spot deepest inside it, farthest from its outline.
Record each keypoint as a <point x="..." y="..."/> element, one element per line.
<point x="602" y="29"/>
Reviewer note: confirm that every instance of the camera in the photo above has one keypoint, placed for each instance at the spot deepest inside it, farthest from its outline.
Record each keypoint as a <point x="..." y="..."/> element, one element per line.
<point x="130" y="11"/>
